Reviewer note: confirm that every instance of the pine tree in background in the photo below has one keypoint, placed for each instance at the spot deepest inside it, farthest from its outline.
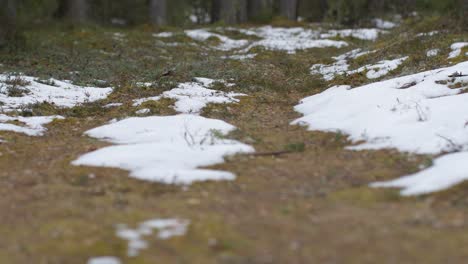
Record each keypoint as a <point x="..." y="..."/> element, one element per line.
<point x="158" y="12"/>
<point x="75" y="11"/>
<point x="260" y="10"/>
<point x="229" y="11"/>
<point x="313" y="10"/>
<point x="288" y="9"/>
<point x="7" y="21"/>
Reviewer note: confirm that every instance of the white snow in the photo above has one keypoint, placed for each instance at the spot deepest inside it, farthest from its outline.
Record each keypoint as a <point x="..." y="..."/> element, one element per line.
<point x="240" y="56"/>
<point x="289" y="39"/>
<point x="432" y="52"/>
<point x="163" y="35"/>
<point x="192" y="97"/>
<point x="448" y="170"/>
<point x="427" y="34"/>
<point x="166" y="229"/>
<point x="32" y="126"/>
<point x="111" y="105"/>
<point x="456" y="49"/>
<point x="380" y="69"/>
<point x="104" y="260"/>
<point x="417" y="113"/>
<point x="226" y="43"/>
<point x="341" y="66"/>
<point x="166" y="149"/>
<point x="59" y="93"/>
<point x="383" y="24"/>
<point x="370" y="34"/>
<point x="143" y="111"/>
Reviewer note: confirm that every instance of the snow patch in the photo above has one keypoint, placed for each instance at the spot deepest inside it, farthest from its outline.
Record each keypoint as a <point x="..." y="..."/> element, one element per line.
<point x="383" y="24"/>
<point x="457" y="49"/>
<point x="192" y="97"/>
<point x="381" y="68"/>
<point x="111" y="105"/>
<point x="432" y="52"/>
<point x="166" y="149"/>
<point x="166" y="229"/>
<point x="31" y="126"/>
<point x="447" y="171"/>
<point x="240" y="56"/>
<point x="226" y="43"/>
<point x="104" y="260"/>
<point x="418" y="113"/>
<point x="341" y="66"/>
<point x="289" y="39"/>
<point x="143" y="111"/>
<point x="370" y="34"/>
<point x="163" y="35"/>
<point x="33" y="90"/>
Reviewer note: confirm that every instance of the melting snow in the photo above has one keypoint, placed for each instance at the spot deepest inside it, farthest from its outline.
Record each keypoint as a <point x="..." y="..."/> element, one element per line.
<point x="383" y="24"/>
<point x="59" y="93"/>
<point x="226" y="43"/>
<point x="166" y="228"/>
<point x="427" y="34"/>
<point x="371" y="34"/>
<point x="432" y="52"/>
<point x="285" y="39"/>
<point x="447" y="171"/>
<point x="341" y="66"/>
<point x="191" y="97"/>
<point x="289" y="39"/>
<point x="111" y="105"/>
<point x="104" y="260"/>
<point x="380" y="69"/>
<point x="456" y="49"/>
<point x="163" y="35"/>
<point x="417" y="113"/>
<point x="31" y="126"/>
<point x="143" y="111"/>
<point x="166" y="149"/>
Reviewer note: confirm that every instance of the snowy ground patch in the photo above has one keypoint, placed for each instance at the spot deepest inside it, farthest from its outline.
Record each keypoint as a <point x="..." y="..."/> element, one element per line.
<point x="381" y="68"/>
<point x="341" y="66"/>
<point x="432" y="52"/>
<point x="165" y="228"/>
<point x="289" y="39"/>
<point x="422" y="113"/>
<point x="370" y="34"/>
<point x="166" y="149"/>
<point x="17" y="91"/>
<point x="164" y="35"/>
<point x="225" y="44"/>
<point x="104" y="260"/>
<point x="31" y="126"/>
<point x="457" y="49"/>
<point x="447" y="171"/>
<point x="384" y="24"/>
<point x="192" y="97"/>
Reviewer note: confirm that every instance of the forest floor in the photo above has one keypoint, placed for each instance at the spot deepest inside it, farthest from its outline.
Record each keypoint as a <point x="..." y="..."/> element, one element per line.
<point x="310" y="203"/>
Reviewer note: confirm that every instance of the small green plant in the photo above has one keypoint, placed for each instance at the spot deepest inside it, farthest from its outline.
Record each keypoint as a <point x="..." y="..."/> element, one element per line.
<point x="295" y="147"/>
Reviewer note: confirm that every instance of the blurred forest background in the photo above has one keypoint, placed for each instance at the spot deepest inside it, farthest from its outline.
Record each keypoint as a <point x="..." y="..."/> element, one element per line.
<point x="18" y="15"/>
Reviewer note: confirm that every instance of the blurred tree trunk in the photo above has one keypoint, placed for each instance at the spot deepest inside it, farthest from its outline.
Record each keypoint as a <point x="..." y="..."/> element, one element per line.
<point x="260" y="10"/>
<point x="158" y="12"/>
<point x="74" y="10"/>
<point x="288" y="9"/>
<point x="464" y="14"/>
<point x="7" y="20"/>
<point x="229" y="11"/>
<point x="313" y="10"/>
